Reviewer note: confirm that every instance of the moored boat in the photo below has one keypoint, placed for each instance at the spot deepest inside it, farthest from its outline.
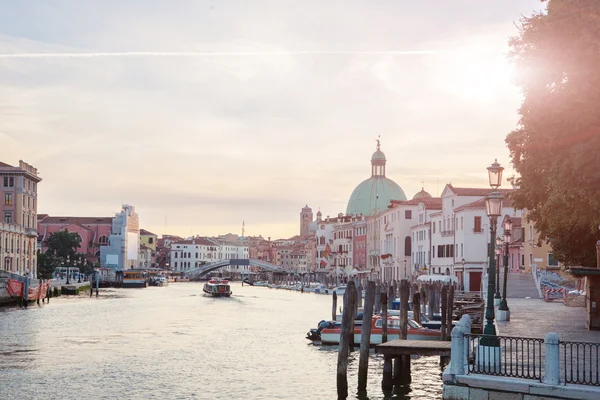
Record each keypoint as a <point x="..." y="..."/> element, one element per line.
<point x="328" y="332"/>
<point x="135" y="279"/>
<point x="217" y="288"/>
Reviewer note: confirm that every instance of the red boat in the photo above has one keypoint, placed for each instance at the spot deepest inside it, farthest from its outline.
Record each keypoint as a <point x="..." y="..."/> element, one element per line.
<point x="331" y="333"/>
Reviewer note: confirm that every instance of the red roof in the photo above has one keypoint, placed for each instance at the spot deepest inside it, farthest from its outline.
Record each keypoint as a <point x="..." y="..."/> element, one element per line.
<point x="47" y="220"/>
<point x="146" y="233"/>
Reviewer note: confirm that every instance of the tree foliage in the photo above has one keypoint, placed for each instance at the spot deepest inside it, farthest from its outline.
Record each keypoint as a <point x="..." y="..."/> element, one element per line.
<point x="63" y="245"/>
<point x="556" y="147"/>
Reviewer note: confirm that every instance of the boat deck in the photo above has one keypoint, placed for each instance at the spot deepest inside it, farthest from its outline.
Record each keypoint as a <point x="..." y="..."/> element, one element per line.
<point x="395" y="348"/>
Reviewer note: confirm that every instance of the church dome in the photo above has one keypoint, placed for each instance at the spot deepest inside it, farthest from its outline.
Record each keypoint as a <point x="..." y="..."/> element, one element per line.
<point x="422" y="195"/>
<point x="378" y="156"/>
<point x="373" y="195"/>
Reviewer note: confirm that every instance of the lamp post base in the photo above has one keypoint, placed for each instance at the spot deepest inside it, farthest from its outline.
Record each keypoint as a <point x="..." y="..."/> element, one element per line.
<point x="502" y="315"/>
<point x="497" y="301"/>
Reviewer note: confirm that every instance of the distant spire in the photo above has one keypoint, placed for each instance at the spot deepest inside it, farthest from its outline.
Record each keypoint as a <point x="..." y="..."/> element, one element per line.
<point x="378" y="143"/>
<point x="243" y="228"/>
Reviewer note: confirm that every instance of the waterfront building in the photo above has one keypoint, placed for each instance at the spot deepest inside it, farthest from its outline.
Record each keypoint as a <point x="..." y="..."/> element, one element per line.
<point x="193" y="253"/>
<point x="460" y="234"/>
<point x="421" y="234"/>
<point x="359" y="245"/>
<point x="124" y="241"/>
<point x="148" y="239"/>
<point x="536" y="252"/>
<point x="146" y="257"/>
<point x="163" y="249"/>
<point x="93" y="231"/>
<point x="18" y="228"/>
<point x="373" y="246"/>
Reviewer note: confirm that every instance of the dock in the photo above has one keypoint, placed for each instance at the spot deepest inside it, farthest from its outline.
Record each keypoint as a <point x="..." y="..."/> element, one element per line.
<point x="399" y="347"/>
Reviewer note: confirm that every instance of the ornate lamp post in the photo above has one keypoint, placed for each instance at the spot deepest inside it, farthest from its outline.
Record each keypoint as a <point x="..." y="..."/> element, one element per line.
<point x="493" y="205"/>
<point x="497" y="253"/>
<point x="503" y="310"/>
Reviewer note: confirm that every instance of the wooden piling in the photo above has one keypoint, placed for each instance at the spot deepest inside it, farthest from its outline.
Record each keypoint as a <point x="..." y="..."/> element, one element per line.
<point x="444" y="298"/>
<point x="404" y="292"/>
<point x="346" y="338"/>
<point x="378" y="298"/>
<point x="365" y="340"/>
<point x="450" y="312"/>
<point x="391" y="297"/>
<point x="384" y="312"/>
<point x="417" y="307"/>
<point x="423" y="299"/>
<point x="430" y="300"/>
<point x="334" y="307"/>
<point x="358" y="296"/>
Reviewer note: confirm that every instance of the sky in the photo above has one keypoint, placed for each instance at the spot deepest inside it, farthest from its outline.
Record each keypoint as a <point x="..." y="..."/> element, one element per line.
<point x="204" y="114"/>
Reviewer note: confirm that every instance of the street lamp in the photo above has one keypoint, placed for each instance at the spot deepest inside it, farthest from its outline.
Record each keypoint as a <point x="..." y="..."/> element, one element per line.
<point x="503" y="310"/>
<point x="498" y="252"/>
<point x="493" y="205"/>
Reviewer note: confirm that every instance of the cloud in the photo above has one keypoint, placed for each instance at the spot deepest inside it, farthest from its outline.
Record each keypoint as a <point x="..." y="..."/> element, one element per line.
<point x="216" y="112"/>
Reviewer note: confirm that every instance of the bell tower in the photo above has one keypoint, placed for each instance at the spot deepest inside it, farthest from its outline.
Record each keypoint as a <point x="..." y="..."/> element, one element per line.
<point x="306" y="218"/>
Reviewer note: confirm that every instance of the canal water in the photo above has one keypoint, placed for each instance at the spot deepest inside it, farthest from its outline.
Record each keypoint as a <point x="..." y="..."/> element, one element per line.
<point x="174" y="343"/>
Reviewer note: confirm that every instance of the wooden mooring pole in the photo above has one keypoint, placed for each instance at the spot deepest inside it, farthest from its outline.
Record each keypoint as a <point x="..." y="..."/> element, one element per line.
<point x="365" y="339"/>
<point x="444" y="300"/>
<point x="334" y="307"/>
<point x="384" y="312"/>
<point x="346" y="339"/>
<point x="391" y="297"/>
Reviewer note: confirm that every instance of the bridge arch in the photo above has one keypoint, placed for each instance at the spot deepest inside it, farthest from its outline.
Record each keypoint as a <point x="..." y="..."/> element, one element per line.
<point x="206" y="268"/>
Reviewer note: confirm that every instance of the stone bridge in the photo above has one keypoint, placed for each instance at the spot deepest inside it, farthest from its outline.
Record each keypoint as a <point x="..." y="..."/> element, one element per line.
<point x="206" y="268"/>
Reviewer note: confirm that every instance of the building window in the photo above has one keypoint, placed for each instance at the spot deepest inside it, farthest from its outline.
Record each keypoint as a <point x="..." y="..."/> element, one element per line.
<point x="407" y="246"/>
<point x="8" y="217"/>
<point x="552" y="262"/>
<point x="477" y="225"/>
<point x="175" y="257"/>
<point x="461" y="250"/>
<point x="9" y="181"/>
<point x="407" y="214"/>
<point x="434" y="227"/>
<point x="8" y="199"/>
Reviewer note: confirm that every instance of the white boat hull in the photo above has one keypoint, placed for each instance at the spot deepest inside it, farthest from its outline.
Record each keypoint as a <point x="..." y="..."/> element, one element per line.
<point x="334" y="338"/>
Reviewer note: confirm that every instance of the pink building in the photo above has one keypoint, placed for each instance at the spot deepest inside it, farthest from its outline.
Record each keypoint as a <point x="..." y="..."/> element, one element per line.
<point x="359" y="245"/>
<point x="94" y="232"/>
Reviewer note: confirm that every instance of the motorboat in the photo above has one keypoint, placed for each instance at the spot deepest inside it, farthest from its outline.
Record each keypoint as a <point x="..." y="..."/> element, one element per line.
<point x="217" y="287"/>
<point x="328" y="332"/>
<point x="135" y="279"/>
<point x="159" y="281"/>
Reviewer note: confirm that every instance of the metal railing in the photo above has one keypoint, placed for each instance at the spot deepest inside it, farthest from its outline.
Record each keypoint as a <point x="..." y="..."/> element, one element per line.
<point x="579" y="363"/>
<point x="508" y="356"/>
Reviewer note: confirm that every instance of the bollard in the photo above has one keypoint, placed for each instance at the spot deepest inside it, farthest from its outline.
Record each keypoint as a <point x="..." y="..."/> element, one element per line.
<point x="552" y="364"/>
<point x="457" y="351"/>
<point x="465" y="322"/>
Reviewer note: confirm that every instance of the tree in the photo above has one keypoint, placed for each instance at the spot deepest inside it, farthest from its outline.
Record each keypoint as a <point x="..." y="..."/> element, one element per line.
<point x="556" y="147"/>
<point x="63" y="245"/>
<point x="46" y="264"/>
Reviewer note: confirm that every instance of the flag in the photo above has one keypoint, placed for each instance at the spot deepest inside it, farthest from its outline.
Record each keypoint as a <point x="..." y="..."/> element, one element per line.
<point x="323" y="263"/>
<point x="327" y="251"/>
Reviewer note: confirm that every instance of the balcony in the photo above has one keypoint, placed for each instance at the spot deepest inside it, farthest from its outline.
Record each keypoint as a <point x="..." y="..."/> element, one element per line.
<point x="30" y="232"/>
<point x="447" y="233"/>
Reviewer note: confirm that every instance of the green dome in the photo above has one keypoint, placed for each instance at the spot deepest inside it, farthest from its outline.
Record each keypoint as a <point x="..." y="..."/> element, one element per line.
<point x="378" y="156"/>
<point x="422" y="195"/>
<point x="373" y="195"/>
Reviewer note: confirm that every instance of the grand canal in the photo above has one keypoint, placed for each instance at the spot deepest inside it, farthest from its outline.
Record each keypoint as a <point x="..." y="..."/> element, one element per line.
<point x="174" y="343"/>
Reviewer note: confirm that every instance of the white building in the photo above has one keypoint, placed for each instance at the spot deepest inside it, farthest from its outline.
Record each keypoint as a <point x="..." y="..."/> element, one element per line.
<point x="124" y="242"/>
<point x="193" y="253"/>
<point x="324" y="238"/>
<point x="461" y="233"/>
<point x="421" y="235"/>
<point x="343" y="230"/>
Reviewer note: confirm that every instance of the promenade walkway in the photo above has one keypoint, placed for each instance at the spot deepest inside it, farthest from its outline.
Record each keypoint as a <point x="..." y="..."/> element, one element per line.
<point x="535" y="317"/>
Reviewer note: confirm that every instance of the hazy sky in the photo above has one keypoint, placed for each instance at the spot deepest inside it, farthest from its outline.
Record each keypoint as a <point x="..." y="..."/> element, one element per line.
<point x="286" y="114"/>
